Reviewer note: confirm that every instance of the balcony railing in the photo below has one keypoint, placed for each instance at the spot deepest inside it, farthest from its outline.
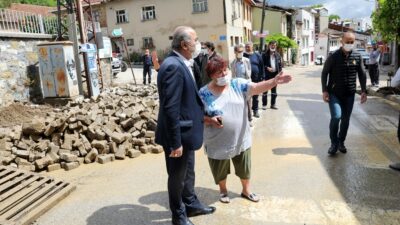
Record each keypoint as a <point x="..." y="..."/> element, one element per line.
<point x="17" y="22"/>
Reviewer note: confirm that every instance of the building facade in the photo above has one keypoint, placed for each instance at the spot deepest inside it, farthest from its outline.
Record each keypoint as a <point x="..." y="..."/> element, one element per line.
<point x="305" y="35"/>
<point x="150" y="23"/>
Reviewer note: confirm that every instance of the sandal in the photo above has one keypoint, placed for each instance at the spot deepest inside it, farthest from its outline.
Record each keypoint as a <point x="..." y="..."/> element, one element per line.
<point x="252" y="197"/>
<point x="224" y="198"/>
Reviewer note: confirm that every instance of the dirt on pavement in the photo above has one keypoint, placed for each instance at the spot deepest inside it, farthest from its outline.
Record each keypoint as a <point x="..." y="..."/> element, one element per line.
<point x="18" y="113"/>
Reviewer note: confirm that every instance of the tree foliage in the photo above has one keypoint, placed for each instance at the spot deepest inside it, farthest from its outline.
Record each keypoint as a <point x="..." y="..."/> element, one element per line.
<point x="333" y="17"/>
<point x="386" y="19"/>
<point x="7" y="3"/>
<point x="282" y="41"/>
<point x="317" y="6"/>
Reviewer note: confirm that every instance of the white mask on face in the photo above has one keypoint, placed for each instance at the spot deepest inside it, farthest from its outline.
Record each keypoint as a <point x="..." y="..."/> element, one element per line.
<point x="239" y="55"/>
<point x="204" y="51"/>
<point x="223" y="81"/>
<point x="348" y="47"/>
<point x="197" y="50"/>
<point x="272" y="49"/>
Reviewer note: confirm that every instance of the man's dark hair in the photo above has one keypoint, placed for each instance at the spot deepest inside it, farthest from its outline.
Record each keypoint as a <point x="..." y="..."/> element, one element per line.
<point x="210" y="45"/>
<point x="272" y="42"/>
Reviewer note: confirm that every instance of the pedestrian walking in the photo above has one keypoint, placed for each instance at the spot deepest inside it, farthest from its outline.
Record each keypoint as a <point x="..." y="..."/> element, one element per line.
<point x="396" y="83"/>
<point x="257" y="72"/>
<point x="273" y="66"/>
<point x="180" y="125"/>
<point x="241" y="68"/>
<point x="147" y="63"/>
<point x="227" y="135"/>
<point x="338" y="79"/>
<point x="373" y="67"/>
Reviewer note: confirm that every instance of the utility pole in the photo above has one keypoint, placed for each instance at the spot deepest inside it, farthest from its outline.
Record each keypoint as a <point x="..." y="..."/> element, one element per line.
<point x="262" y="27"/>
<point x="82" y="29"/>
<point x="73" y="36"/>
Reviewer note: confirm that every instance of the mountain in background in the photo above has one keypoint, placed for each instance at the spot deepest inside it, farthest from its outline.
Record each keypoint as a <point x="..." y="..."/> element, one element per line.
<point x="7" y="3"/>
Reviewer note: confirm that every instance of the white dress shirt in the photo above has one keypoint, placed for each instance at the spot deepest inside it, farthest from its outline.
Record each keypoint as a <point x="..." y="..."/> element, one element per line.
<point x="273" y="65"/>
<point x="188" y="63"/>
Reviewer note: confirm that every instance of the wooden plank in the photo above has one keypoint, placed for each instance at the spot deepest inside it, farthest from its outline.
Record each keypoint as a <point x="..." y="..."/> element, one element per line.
<point x="33" y="212"/>
<point x="28" y="201"/>
<point x="13" y="182"/>
<point x="5" y="172"/>
<point x="10" y="176"/>
<point x="20" y="196"/>
<point x="18" y="187"/>
<point x="24" y="196"/>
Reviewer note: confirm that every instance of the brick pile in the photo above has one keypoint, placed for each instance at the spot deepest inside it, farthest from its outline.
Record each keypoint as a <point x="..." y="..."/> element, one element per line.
<point x="118" y="123"/>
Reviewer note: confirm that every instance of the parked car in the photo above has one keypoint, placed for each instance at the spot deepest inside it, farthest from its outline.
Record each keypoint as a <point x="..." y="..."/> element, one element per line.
<point x="364" y="55"/>
<point x="115" y="65"/>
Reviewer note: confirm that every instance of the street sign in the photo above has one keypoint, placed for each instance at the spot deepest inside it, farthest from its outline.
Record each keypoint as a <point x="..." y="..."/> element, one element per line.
<point x="222" y="37"/>
<point x="258" y="34"/>
<point x="117" y="32"/>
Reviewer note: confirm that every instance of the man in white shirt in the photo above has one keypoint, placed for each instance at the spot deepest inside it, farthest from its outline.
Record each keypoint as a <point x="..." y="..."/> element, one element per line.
<point x="373" y="67"/>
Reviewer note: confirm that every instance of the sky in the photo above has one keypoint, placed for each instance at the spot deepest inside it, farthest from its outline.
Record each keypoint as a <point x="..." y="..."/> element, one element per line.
<point x="346" y="9"/>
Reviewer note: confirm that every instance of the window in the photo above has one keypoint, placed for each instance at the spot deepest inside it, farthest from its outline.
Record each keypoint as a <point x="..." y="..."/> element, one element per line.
<point x="236" y="40"/>
<point x="129" y="42"/>
<point x="148" y="13"/>
<point x="200" y="6"/>
<point x="96" y="15"/>
<point x="232" y="44"/>
<point x="122" y="16"/>
<point x="148" y="42"/>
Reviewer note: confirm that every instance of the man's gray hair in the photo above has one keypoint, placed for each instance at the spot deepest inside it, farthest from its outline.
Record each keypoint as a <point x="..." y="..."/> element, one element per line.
<point x="181" y="33"/>
<point x="236" y="48"/>
<point x="249" y="43"/>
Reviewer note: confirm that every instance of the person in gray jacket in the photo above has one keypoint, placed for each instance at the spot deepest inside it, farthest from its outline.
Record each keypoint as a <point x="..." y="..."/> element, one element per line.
<point x="241" y="68"/>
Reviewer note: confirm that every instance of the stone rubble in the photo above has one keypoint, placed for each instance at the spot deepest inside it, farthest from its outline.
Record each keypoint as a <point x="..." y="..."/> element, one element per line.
<point x="118" y="123"/>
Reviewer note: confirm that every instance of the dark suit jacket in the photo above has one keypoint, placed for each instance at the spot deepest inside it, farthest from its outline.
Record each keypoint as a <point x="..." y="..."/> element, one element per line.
<point x="267" y="63"/>
<point x="180" y="119"/>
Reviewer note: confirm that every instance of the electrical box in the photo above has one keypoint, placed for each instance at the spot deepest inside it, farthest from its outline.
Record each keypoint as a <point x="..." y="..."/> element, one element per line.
<point x="57" y="69"/>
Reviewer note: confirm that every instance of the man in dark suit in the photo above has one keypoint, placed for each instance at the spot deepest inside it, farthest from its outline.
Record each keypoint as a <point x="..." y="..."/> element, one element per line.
<point x="147" y="63"/>
<point x="180" y="125"/>
<point x="273" y="66"/>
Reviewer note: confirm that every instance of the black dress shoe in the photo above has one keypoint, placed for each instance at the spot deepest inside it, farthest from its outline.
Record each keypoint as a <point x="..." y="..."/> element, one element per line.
<point x="342" y="148"/>
<point x="256" y="114"/>
<point x="332" y="150"/>
<point x="202" y="211"/>
<point x="187" y="222"/>
<point x="395" y="166"/>
<point x="274" y="107"/>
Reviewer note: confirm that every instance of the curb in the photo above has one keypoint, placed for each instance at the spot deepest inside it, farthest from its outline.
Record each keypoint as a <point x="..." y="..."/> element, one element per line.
<point x="393" y="98"/>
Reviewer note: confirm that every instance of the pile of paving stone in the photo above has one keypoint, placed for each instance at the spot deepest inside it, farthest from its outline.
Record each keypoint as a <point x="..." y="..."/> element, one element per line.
<point x="118" y="123"/>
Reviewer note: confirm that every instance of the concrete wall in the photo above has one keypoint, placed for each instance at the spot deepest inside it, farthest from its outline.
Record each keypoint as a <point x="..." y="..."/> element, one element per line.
<point x="18" y="70"/>
<point x="273" y="22"/>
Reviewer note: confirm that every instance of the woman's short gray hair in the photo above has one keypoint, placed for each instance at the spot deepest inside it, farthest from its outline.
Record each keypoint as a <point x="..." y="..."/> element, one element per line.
<point x="181" y="33"/>
<point x="236" y="48"/>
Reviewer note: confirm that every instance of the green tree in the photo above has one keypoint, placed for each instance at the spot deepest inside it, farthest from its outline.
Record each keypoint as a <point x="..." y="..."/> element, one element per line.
<point x="284" y="42"/>
<point x="386" y="22"/>
<point x="7" y="3"/>
<point x="333" y="17"/>
<point x="316" y="6"/>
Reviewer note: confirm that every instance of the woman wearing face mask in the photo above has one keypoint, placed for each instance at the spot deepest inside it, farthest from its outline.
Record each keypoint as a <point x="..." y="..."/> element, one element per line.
<point x="227" y="133"/>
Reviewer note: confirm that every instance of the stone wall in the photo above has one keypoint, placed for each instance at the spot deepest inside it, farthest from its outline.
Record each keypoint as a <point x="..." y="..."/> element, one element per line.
<point x="18" y="70"/>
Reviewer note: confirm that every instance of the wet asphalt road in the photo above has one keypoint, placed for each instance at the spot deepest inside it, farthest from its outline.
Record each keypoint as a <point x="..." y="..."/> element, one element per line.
<point x="291" y="171"/>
